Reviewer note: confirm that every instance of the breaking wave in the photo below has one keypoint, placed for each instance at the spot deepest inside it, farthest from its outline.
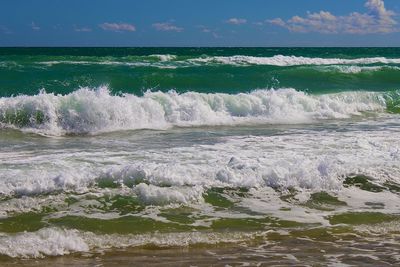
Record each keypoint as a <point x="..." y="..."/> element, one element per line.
<point x="88" y="111"/>
<point x="280" y="60"/>
<point x="56" y="241"/>
<point x="173" y="61"/>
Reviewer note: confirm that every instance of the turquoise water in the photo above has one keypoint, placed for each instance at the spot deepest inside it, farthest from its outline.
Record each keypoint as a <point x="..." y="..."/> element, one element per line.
<point x="269" y="155"/>
<point x="136" y="70"/>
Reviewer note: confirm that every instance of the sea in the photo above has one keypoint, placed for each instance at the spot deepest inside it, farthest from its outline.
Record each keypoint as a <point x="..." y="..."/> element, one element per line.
<point x="199" y="156"/>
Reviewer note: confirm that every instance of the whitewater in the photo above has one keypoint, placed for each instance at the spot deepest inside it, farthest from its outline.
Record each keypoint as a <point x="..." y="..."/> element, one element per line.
<point x="235" y="155"/>
<point x="96" y="110"/>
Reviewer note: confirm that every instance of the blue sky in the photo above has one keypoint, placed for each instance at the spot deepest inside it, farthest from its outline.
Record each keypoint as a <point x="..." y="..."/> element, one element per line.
<point x="199" y="23"/>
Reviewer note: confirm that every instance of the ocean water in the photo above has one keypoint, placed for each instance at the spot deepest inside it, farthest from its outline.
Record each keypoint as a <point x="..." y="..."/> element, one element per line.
<point x="234" y="156"/>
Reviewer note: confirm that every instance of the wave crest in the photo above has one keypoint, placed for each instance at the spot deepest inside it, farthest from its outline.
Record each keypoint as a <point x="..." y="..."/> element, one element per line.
<point x="173" y="61"/>
<point x="93" y="111"/>
<point x="280" y="60"/>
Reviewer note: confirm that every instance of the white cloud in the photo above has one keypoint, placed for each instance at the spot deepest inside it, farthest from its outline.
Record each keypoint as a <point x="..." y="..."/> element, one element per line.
<point x="118" y="27"/>
<point x="34" y="26"/>
<point x="213" y="32"/>
<point x="204" y="29"/>
<point x="166" y="26"/>
<point x="82" y="29"/>
<point x="377" y="20"/>
<point x="236" y="21"/>
<point x="277" y="21"/>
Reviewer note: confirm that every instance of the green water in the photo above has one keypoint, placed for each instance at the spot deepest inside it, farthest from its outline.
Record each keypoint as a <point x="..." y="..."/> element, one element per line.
<point x="275" y="156"/>
<point x="136" y="70"/>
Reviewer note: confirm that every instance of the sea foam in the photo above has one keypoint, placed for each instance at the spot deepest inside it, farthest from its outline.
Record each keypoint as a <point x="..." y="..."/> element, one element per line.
<point x="55" y="241"/>
<point x="92" y="111"/>
<point x="172" y="61"/>
<point x="280" y="60"/>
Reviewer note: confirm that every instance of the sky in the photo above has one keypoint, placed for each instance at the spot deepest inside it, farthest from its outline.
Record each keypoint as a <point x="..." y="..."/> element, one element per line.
<point x="199" y="23"/>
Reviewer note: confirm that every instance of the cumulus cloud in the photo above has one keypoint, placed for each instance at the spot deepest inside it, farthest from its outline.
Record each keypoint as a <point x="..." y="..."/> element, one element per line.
<point x="213" y="32"/>
<point x="236" y="21"/>
<point x="277" y="21"/>
<point x="118" y="27"/>
<point x="166" y="26"/>
<point x="377" y="20"/>
<point x="34" y="26"/>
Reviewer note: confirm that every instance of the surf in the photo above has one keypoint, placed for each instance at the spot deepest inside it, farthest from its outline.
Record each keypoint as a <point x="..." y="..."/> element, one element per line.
<point x="91" y="111"/>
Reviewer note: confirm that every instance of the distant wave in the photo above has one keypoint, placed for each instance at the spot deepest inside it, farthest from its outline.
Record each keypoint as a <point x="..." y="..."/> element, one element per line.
<point x="166" y="57"/>
<point x="354" y="69"/>
<point x="172" y="61"/>
<point x="158" y="61"/>
<point x="112" y="63"/>
<point x="92" y="111"/>
<point x="280" y="60"/>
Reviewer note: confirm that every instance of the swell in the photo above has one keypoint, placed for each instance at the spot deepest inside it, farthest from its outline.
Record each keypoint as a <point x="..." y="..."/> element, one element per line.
<point x="174" y="61"/>
<point x="200" y="73"/>
<point x="92" y="111"/>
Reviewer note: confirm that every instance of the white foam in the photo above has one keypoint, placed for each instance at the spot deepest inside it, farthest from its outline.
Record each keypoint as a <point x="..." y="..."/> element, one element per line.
<point x="93" y="111"/>
<point x="154" y="195"/>
<point x="9" y="65"/>
<point x="48" y="241"/>
<point x="280" y="60"/>
<point x="20" y="183"/>
<point x="55" y="241"/>
<point x="106" y="62"/>
<point x="171" y="61"/>
<point x="162" y="62"/>
<point x="354" y="69"/>
<point x="305" y="161"/>
<point x="164" y="57"/>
